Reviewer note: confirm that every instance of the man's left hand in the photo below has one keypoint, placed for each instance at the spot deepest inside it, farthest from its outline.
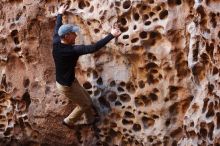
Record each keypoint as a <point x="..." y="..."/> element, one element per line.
<point x="62" y="9"/>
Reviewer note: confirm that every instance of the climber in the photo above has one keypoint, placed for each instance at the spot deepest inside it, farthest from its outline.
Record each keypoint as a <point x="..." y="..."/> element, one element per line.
<point x="66" y="54"/>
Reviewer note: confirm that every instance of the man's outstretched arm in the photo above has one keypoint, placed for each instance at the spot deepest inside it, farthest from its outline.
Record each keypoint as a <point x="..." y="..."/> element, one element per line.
<point x="56" y="37"/>
<point x="86" y="49"/>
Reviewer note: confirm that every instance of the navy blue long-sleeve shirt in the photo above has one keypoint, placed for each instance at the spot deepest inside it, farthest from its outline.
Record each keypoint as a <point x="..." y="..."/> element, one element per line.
<point x="66" y="56"/>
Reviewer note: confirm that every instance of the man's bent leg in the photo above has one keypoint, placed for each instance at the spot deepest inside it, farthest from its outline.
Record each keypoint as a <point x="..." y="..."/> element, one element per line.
<point x="84" y="104"/>
<point x="72" y="94"/>
<point x="85" y="98"/>
<point x="89" y="113"/>
<point x="75" y="115"/>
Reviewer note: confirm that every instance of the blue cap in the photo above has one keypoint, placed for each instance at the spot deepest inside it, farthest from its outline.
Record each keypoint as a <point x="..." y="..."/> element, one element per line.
<point x="66" y="28"/>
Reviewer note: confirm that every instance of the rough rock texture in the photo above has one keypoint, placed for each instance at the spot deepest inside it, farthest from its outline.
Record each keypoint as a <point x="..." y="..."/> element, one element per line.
<point x="157" y="84"/>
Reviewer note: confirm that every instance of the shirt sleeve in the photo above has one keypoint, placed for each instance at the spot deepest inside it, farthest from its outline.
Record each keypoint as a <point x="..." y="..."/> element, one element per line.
<point x="56" y="37"/>
<point x="86" y="49"/>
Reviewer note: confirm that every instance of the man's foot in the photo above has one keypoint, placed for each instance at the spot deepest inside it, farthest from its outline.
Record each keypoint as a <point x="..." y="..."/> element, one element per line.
<point x="72" y="126"/>
<point x="80" y="124"/>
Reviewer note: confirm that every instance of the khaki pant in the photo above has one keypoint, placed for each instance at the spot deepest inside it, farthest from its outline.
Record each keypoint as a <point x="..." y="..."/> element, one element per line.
<point x="81" y="98"/>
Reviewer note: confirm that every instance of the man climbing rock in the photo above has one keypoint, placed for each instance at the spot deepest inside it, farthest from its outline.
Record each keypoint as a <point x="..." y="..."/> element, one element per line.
<point x="66" y="54"/>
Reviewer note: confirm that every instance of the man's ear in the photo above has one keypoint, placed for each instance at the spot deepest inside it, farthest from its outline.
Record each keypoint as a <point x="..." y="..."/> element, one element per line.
<point x="65" y="37"/>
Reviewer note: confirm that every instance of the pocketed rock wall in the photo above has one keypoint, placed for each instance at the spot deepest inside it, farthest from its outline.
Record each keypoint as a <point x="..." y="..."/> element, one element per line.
<point x="157" y="84"/>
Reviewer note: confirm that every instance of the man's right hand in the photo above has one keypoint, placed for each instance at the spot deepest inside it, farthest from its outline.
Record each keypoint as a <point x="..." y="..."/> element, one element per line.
<point x="115" y="30"/>
<point x="62" y="9"/>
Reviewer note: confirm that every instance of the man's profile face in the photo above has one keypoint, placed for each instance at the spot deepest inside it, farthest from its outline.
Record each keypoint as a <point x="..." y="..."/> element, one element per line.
<point x="70" y="37"/>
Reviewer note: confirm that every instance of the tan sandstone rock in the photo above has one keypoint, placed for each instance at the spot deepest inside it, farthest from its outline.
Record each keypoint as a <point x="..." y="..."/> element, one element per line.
<point x="156" y="85"/>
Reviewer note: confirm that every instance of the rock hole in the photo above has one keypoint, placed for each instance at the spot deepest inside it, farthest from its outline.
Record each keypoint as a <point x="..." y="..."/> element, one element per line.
<point x="211" y="128"/>
<point x="88" y="22"/>
<point x="99" y="81"/>
<point x="153" y="96"/>
<point x="174" y="143"/>
<point x="26" y="83"/>
<point x="178" y="2"/>
<point x="150" y="79"/>
<point x="167" y="123"/>
<point x="127" y="4"/>
<point x="171" y="3"/>
<point x="211" y="111"/>
<point x="210" y="88"/>
<point x="87" y="85"/>
<point x="90" y="92"/>
<point x="145" y="17"/>
<point x="158" y="8"/>
<point x="112" y="96"/>
<point x="134" y="40"/>
<point x="144" y="7"/>
<point x="147" y="23"/>
<point x="27" y="99"/>
<point x="17" y="49"/>
<point x="151" y="65"/>
<point x="117" y="3"/>
<point x="118" y="103"/>
<point x="197" y="69"/>
<point x="151" y="14"/>
<point x="176" y="132"/>
<point x="125" y="36"/>
<point x="87" y="3"/>
<point x="141" y="84"/>
<point x="123" y="21"/>
<point x="81" y="4"/>
<point x="136" y="16"/>
<point x="155" y="19"/>
<point x="173" y="109"/>
<point x="96" y="30"/>
<point x="135" y="27"/>
<point x="104" y="102"/>
<point x="210" y="49"/>
<point x="138" y="102"/>
<point x="127" y="122"/>
<point x="196" y="51"/>
<point x="125" y="97"/>
<point x="112" y="83"/>
<point x="14" y="33"/>
<point x="163" y="14"/>
<point x="204" y="58"/>
<point x="122" y="83"/>
<point x="201" y="11"/>
<point x="130" y="87"/>
<point x="154" y="34"/>
<point x="8" y="131"/>
<point x="124" y="29"/>
<point x="213" y="19"/>
<point x="97" y="92"/>
<point x="143" y="34"/>
<point x="128" y="114"/>
<point x="120" y="89"/>
<point x="215" y="71"/>
<point x="148" y="122"/>
<point x="203" y="132"/>
<point x="16" y="40"/>
<point x="151" y="1"/>
<point x="136" y="127"/>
